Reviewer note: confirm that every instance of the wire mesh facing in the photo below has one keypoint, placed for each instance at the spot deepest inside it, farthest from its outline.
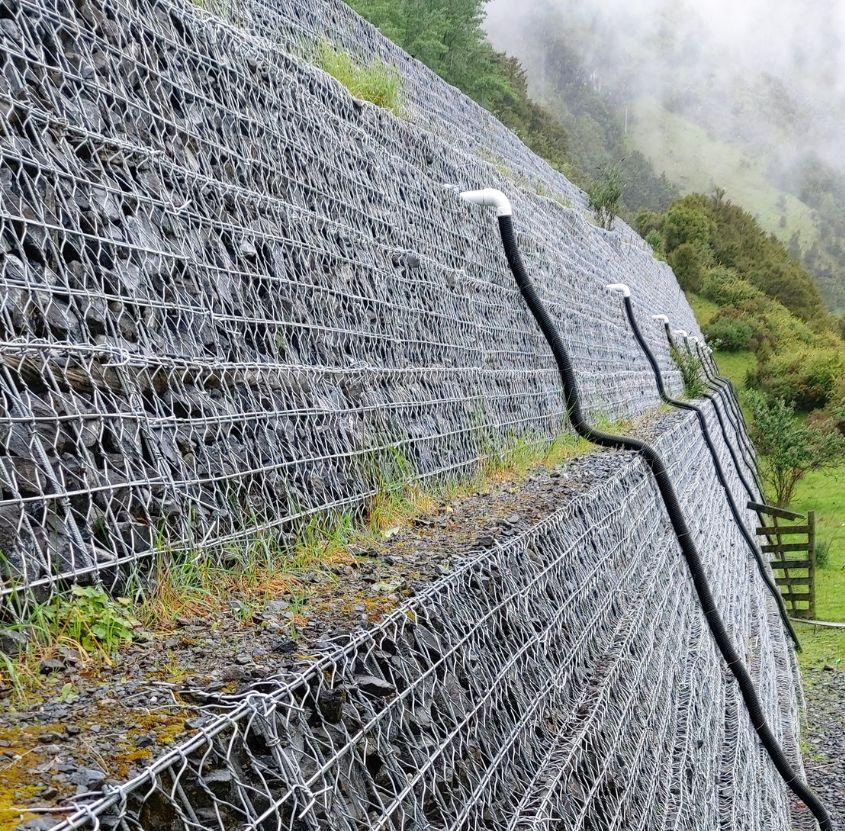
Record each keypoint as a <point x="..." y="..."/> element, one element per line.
<point x="565" y="679"/>
<point x="231" y="294"/>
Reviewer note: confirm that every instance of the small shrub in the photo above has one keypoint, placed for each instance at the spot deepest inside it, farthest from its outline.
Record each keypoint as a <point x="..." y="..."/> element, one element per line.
<point x="690" y="368"/>
<point x="655" y="240"/>
<point x="688" y="264"/>
<point x="604" y="195"/>
<point x="375" y="82"/>
<point x="688" y="222"/>
<point x="790" y="448"/>
<point x="837" y="411"/>
<point x="649" y="222"/>
<point x="731" y="334"/>
<point x="804" y="376"/>
<point x="723" y="287"/>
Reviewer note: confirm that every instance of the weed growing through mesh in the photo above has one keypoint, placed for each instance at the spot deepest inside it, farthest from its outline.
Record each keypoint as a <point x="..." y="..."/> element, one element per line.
<point x="375" y="81"/>
<point x="398" y="497"/>
<point x="690" y="368"/>
<point x="87" y="620"/>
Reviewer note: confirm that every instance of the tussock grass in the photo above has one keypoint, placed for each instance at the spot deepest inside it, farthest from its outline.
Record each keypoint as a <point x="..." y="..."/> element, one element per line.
<point x="244" y="576"/>
<point x="375" y="81"/>
<point x="690" y="368"/>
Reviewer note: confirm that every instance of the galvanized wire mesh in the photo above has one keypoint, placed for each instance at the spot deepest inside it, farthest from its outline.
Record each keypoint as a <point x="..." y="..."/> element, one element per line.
<point x="229" y="293"/>
<point x="565" y="679"/>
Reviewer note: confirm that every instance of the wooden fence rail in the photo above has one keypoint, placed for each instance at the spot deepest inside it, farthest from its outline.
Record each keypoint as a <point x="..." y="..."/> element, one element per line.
<point x="795" y="575"/>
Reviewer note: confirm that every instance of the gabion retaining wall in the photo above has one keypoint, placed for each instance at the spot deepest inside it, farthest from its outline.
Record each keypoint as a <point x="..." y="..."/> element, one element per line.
<point x="229" y="292"/>
<point x="228" y="289"/>
<point x="563" y="679"/>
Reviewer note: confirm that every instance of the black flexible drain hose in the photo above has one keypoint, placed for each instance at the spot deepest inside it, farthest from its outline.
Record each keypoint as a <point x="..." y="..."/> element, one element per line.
<point x="732" y="408"/>
<point x="713" y="402"/>
<point x="737" y="422"/>
<point x="720" y="473"/>
<point x="673" y="508"/>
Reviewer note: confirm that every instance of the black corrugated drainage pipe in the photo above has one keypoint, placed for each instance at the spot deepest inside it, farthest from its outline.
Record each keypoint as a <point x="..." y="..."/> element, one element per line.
<point x="727" y="393"/>
<point x="708" y="440"/>
<point x="732" y="401"/>
<point x="734" y="416"/>
<point x="714" y="402"/>
<point x="658" y="469"/>
<point x="712" y="373"/>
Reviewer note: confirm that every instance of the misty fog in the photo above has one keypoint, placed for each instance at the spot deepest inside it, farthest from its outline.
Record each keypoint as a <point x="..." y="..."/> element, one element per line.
<point x="769" y="74"/>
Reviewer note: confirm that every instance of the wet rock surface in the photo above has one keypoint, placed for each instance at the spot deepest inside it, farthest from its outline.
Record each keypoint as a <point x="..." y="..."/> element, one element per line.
<point x="115" y="720"/>
<point x="240" y="291"/>
<point x="518" y="647"/>
<point x="824" y="738"/>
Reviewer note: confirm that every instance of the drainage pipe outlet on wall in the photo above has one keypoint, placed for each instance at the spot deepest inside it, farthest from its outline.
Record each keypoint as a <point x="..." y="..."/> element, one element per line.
<point x="655" y="464"/>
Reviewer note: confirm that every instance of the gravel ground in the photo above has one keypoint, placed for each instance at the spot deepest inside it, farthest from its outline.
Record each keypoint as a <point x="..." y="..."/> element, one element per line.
<point x="824" y="738"/>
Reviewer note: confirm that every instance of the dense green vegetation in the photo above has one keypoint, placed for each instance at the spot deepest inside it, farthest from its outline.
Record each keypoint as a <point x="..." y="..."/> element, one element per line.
<point x="822" y="491"/>
<point x="790" y="447"/>
<point x="579" y="134"/>
<point x="762" y="299"/>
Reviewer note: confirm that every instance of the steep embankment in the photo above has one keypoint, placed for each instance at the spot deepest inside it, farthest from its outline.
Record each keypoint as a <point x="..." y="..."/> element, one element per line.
<point x="235" y="298"/>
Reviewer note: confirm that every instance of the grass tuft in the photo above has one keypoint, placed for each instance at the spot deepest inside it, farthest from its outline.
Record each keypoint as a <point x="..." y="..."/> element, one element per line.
<point x="375" y="81"/>
<point x="690" y="368"/>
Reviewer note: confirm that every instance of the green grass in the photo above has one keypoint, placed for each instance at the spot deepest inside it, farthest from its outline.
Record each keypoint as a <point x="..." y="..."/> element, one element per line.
<point x="697" y="162"/>
<point x="703" y="309"/>
<point x="735" y="366"/>
<point x="821" y="647"/>
<point x="375" y="81"/>
<point x="823" y="491"/>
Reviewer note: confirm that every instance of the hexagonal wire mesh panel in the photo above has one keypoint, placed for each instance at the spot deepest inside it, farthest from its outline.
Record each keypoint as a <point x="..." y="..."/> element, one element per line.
<point x="228" y="292"/>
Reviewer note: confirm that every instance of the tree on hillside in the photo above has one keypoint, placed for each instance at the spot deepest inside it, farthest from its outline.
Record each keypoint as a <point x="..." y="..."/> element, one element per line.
<point x="604" y="195"/>
<point x="791" y="449"/>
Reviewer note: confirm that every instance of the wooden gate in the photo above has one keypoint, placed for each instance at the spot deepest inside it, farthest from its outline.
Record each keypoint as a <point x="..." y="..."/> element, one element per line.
<point x="794" y="562"/>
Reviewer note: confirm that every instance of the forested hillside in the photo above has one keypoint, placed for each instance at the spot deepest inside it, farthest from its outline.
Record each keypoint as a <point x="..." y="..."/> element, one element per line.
<point x="701" y="101"/>
<point x="766" y="301"/>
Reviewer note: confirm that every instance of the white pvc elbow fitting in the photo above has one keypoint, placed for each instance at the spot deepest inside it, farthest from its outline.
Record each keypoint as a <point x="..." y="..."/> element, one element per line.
<point x="491" y="198"/>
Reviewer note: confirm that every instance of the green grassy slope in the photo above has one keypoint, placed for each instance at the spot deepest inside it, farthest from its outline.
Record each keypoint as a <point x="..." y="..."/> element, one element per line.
<point x="696" y="162"/>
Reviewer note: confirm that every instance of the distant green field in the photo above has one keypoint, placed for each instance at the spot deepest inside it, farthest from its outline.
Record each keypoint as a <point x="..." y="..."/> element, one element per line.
<point x="704" y="310"/>
<point x="697" y="162"/>
<point x="822" y="492"/>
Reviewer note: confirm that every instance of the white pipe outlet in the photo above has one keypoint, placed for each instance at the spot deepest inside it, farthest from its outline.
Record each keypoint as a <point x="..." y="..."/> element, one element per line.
<point x="491" y="198"/>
